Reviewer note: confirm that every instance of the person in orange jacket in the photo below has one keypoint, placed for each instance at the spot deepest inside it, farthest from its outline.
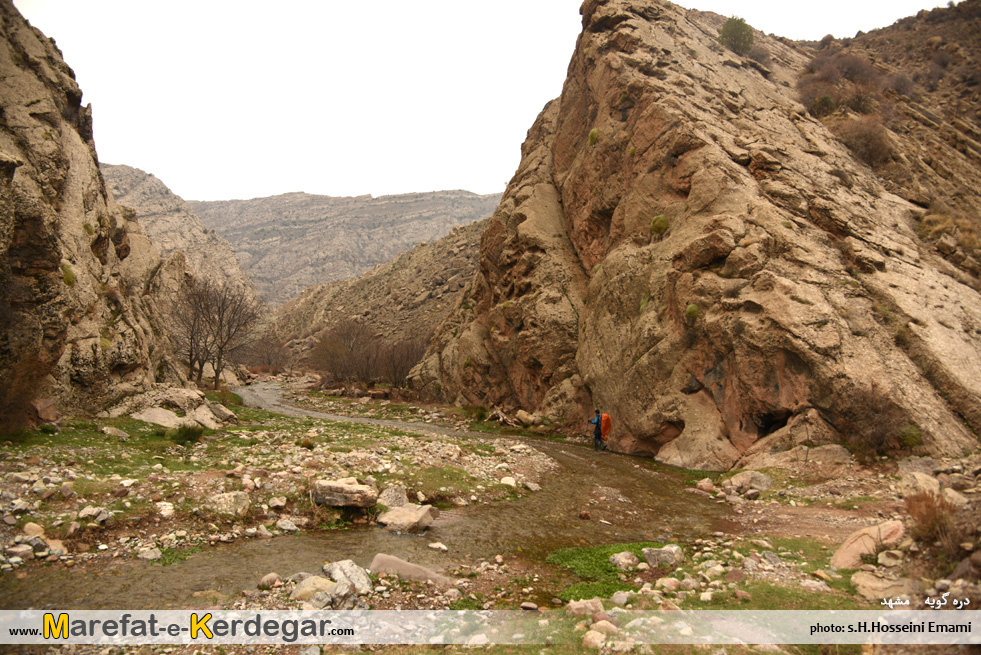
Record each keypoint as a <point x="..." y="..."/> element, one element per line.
<point x="598" y="443"/>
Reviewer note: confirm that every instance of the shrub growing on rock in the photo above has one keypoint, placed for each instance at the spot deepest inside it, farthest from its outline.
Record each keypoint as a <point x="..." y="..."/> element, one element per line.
<point x="660" y="224"/>
<point x="867" y="139"/>
<point x="737" y="35"/>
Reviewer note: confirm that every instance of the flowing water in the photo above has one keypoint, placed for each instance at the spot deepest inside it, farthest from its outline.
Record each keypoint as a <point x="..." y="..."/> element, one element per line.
<point x="530" y="527"/>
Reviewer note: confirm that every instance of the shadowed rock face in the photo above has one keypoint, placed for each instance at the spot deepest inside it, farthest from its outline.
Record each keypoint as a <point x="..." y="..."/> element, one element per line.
<point x="781" y="306"/>
<point x="79" y="281"/>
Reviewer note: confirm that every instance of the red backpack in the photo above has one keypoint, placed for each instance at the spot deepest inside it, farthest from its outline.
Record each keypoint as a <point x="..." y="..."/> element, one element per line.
<point x="606" y="424"/>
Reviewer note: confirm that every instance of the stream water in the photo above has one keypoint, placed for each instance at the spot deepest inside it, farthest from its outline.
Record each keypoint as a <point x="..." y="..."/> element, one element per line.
<point x="656" y="509"/>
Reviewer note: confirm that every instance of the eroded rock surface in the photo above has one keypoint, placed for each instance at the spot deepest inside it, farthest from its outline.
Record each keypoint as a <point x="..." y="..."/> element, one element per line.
<point x="790" y="293"/>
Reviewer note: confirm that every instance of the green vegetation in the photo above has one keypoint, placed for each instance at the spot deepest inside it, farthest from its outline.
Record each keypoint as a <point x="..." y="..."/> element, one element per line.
<point x="175" y="555"/>
<point x="660" y="224"/>
<point x="692" y="311"/>
<point x="737" y="35"/>
<point x="68" y="274"/>
<point x="600" y="578"/>
<point x="88" y="229"/>
<point x="223" y="397"/>
<point x="593" y="137"/>
<point x="910" y="436"/>
<point x="185" y="434"/>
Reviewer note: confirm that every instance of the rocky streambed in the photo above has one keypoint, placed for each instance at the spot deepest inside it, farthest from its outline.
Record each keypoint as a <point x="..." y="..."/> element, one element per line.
<point x="131" y="519"/>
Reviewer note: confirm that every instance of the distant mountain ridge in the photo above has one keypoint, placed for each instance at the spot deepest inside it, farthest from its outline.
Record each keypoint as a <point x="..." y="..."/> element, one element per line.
<point x="293" y="241"/>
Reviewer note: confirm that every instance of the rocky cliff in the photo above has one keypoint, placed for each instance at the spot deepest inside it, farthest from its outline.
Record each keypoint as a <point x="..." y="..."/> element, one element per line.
<point x="402" y="300"/>
<point x="290" y="242"/>
<point x="79" y="281"/>
<point x="172" y="226"/>
<point x="685" y="247"/>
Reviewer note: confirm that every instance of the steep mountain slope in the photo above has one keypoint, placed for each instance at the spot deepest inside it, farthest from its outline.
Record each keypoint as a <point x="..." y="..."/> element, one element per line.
<point x="79" y="281"/>
<point x="172" y="226"/>
<point x="402" y="300"/>
<point x="685" y="247"/>
<point x="290" y="242"/>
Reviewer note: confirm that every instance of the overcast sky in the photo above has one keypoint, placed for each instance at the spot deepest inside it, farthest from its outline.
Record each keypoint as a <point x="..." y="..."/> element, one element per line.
<point x="229" y="99"/>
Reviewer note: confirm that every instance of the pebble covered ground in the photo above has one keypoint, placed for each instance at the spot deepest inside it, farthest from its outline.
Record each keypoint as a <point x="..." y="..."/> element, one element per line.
<point x="67" y="500"/>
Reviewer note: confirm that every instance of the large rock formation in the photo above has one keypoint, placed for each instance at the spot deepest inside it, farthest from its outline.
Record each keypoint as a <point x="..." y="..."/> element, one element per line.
<point x="684" y="247"/>
<point x="402" y="300"/>
<point x="79" y="281"/>
<point x="172" y="226"/>
<point x="293" y="241"/>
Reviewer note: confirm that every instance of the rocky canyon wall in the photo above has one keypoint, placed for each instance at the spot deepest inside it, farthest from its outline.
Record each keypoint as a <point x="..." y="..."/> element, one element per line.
<point x="684" y="247"/>
<point x="80" y="284"/>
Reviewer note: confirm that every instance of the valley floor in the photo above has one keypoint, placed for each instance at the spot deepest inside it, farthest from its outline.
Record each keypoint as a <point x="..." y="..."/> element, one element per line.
<point x="527" y="521"/>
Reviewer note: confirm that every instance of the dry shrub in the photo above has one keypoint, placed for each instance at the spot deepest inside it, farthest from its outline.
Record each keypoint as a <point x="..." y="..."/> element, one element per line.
<point x="867" y="139"/>
<point x="933" y="521"/>
<point x="871" y="422"/>
<point x="821" y="98"/>
<point x="760" y="55"/>
<point x="900" y="83"/>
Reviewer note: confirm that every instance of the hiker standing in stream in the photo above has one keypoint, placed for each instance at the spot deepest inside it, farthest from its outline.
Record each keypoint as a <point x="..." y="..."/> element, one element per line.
<point x="598" y="432"/>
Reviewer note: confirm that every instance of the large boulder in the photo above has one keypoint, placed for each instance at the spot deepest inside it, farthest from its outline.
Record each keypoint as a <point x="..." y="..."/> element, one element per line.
<point x="876" y="587"/>
<point x="349" y="573"/>
<point x="915" y="483"/>
<point x="409" y="518"/>
<point x="867" y="541"/>
<point x="393" y="496"/>
<point x="203" y="415"/>
<point x="743" y="482"/>
<point x="163" y="417"/>
<point x="667" y="557"/>
<point x="345" y="492"/>
<point x="383" y="563"/>
<point x="233" y="503"/>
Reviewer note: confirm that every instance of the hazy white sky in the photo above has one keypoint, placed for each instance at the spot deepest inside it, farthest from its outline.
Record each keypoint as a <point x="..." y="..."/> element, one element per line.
<point x="229" y="99"/>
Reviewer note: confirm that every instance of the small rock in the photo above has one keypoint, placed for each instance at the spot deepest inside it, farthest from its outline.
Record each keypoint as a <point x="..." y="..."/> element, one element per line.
<point x="270" y="580"/>
<point x="624" y="560"/>
<point x="150" y="554"/>
<point x="286" y="525"/>
<point x="890" y="558"/>
<point x="593" y="640"/>
<point x="436" y="545"/>
<point x="509" y="482"/>
<point x="529" y="606"/>
<point x="33" y="530"/>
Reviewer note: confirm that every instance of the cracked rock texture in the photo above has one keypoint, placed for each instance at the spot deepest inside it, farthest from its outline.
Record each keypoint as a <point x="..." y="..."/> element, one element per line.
<point x="776" y="304"/>
<point x="80" y="284"/>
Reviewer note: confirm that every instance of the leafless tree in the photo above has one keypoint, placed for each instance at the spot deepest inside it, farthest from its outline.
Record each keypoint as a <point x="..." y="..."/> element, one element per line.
<point x="212" y="322"/>
<point x="190" y="332"/>
<point x="231" y="323"/>
<point x="399" y="358"/>
<point x="268" y="351"/>
<point x="348" y="351"/>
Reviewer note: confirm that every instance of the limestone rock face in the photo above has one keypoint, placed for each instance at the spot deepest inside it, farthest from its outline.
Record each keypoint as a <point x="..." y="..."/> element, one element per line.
<point x="78" y="278"/>
<point x="778" y="298"/>
<point x="171" y="225"/>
